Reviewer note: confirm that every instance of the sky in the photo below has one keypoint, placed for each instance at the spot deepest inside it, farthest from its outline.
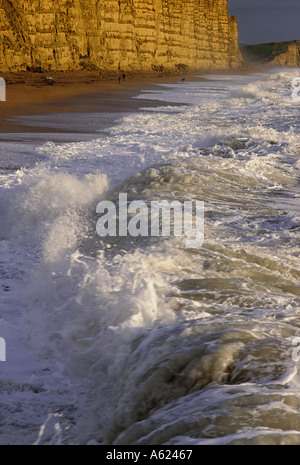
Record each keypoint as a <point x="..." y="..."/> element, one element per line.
<point x="262" y="21"/>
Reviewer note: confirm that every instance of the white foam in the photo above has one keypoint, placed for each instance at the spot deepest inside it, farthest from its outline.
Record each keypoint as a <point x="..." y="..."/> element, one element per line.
<point x="116" y="335"/>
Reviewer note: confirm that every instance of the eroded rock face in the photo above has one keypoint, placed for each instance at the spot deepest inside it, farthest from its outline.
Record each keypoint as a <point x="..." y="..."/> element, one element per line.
<point x="117" y="34"/>
<point x="290" y="57"/>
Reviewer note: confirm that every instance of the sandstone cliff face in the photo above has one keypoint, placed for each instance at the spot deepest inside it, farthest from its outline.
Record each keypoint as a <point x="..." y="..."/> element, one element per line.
<point x="117" y="34"/>
<point x="291" y="57"/>
<point x="273" y="54"/>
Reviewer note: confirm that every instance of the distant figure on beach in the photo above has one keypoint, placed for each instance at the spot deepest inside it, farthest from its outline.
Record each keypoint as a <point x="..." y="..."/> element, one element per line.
<point x="182" y="80"/>
<point x="120" y="79"/>
<point x="124" y="76"/>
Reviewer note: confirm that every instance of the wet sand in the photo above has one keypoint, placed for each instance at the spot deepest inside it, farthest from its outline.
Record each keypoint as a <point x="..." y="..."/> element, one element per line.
<point x="29" y="94"/>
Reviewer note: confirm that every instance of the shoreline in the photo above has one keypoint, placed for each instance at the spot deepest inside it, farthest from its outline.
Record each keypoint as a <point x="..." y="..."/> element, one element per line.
<point x="33" y="94"/>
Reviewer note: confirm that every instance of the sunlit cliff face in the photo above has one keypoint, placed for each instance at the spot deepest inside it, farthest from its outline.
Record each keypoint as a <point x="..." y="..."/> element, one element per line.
<point x="117" y="35"/>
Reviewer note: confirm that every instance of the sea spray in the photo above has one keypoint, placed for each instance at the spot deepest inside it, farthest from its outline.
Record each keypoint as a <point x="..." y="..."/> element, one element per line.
<point x="142" y="340"/>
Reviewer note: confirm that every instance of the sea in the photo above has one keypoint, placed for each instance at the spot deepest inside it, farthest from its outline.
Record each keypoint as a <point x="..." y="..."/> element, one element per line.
<point x="145" y="340"/>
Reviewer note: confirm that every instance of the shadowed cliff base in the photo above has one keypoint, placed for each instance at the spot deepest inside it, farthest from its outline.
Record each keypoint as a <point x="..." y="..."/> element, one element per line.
<point x="275" y="53"/>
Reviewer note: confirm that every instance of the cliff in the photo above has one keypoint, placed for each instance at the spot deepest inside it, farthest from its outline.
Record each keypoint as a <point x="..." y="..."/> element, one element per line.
<point x="277" y="53"/>
<point x="289" y="57"/>
<point x="117" y="35"/>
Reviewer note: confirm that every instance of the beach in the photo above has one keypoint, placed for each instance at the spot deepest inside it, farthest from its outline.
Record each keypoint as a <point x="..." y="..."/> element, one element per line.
<point x="65" y="92"/>
<point x="32" y="94"/>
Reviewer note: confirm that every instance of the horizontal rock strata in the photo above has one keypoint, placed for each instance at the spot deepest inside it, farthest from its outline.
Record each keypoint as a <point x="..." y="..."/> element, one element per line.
<point x="117" y="35"/>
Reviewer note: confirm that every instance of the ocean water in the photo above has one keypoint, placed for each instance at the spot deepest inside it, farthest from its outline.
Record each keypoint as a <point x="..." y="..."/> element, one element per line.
<point x="144" y="340"/>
